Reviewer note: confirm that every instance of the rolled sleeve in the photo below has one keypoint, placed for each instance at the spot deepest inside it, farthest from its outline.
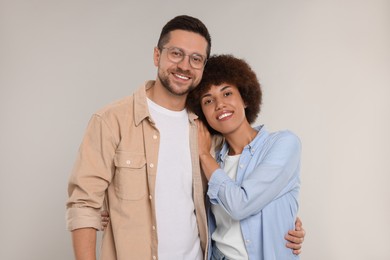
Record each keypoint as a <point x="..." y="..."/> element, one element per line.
<point x="92" y="173"/>
<point x="83" y="217"/>
<point x="273" y="171"/>
<point x="217" y="181"/>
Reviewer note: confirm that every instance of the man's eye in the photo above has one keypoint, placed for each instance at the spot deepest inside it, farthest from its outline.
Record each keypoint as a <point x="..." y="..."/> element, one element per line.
<point x="176" y="53"/>
<point x="228" y="94"/>
<point x="197" y="59"/>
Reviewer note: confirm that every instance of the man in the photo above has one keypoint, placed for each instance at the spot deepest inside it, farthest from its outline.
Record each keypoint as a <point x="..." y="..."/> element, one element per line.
<point x="139" y="159"/>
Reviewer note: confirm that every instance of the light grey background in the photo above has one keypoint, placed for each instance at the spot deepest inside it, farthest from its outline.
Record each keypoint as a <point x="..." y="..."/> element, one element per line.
<point x="325" y="71"/>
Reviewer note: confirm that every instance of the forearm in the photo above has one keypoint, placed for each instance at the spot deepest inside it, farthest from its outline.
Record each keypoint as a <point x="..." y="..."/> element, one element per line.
<point x="208" y="164"/>
<point x="84" y="243"/>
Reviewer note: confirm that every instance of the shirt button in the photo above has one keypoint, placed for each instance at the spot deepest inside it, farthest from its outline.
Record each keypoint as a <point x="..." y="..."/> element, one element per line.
<point x="241" y="165"/>
<point x="151" y="165"/>
<point x="128" y="162"/>
<point x="154" y="136"/>
<point x="153" y="227"/>
<point x="150" y="197"/>
<point x="154" y="257"/>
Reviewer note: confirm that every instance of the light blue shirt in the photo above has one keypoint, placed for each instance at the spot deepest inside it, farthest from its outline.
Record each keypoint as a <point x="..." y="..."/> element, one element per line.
<point x="264" y="196"/>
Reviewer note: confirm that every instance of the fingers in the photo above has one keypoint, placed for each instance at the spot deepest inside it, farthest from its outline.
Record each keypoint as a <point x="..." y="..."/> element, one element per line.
<point x="296" y="252"/>
<point x="296" y="236"/>
<point x="298" y="233"/>
<point x="295" y="247"/>
<point x="295" y="239"/>
<point x="298" y="224"/>
<point x="104" y="224"/>
<point x="201" y="126"/>
<point x="105" y="219"/>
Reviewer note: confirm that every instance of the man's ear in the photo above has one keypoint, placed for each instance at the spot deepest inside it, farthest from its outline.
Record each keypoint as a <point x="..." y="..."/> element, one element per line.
<point x="156" y="56"/>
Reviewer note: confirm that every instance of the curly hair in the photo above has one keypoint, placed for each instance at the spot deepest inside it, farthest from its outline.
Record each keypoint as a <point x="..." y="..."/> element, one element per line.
<point x="228" y="69"/>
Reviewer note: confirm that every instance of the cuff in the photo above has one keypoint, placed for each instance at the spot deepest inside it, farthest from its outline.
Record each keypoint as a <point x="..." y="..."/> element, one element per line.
<point x="82" y="218"/>
<point x="217" y="181"/>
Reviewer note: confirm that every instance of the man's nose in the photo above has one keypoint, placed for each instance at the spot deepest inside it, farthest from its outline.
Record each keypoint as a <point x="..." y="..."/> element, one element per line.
<point x="184" y="64"/>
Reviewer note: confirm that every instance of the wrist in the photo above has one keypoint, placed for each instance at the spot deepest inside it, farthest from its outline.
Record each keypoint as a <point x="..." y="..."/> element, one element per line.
<point x="204" y="155"/>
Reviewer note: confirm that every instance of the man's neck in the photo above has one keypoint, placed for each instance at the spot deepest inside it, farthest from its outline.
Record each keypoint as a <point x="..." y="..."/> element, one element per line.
<point x="161" y="96"/>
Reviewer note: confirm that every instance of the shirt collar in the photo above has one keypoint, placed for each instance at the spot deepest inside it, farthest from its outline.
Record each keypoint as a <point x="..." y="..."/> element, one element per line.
<point x="141" y="110"/>
<point x="252" y="146"/>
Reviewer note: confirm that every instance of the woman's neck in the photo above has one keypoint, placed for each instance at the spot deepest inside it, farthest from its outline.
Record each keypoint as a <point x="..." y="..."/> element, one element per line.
<point x="239" y="139"/>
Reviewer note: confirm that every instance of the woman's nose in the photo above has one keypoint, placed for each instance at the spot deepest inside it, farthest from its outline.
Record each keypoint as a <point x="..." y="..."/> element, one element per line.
<point x="219" y="104"/>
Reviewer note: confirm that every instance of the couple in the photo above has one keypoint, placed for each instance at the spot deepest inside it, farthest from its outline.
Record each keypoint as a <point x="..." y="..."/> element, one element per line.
<point x="140" y="159"/>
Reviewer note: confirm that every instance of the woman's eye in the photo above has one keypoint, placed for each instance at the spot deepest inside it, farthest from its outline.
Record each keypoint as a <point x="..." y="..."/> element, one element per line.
<point x="207" y="101"/>
<point x="228" y="94"/>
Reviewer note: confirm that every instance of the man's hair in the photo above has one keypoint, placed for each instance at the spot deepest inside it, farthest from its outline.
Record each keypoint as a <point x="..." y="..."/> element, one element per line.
<point x="227" y="69"/>
<point x="186" y="23"/>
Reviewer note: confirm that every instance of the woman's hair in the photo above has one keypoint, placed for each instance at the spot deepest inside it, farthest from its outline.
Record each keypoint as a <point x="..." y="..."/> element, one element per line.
<point x="228" y="69"/>
<point x="185" y="23"/>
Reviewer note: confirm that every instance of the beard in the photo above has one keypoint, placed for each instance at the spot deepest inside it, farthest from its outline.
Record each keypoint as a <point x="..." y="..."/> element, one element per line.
<point x="165" y="81"/>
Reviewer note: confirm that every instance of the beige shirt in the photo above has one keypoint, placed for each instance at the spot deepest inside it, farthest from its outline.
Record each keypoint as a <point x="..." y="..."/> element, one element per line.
<point x="116" y="168"/>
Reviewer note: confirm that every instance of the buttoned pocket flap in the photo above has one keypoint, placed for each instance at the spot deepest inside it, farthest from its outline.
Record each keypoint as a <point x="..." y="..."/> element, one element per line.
<point x="130" y="176"/>
<point x="125" y="159"/>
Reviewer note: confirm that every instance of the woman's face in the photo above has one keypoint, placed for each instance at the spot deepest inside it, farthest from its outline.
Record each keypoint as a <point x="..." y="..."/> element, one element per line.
<point x="224" y="108"/>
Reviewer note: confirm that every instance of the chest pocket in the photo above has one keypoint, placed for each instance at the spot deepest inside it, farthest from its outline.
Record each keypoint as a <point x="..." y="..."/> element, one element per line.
<point x="130" y="177"/>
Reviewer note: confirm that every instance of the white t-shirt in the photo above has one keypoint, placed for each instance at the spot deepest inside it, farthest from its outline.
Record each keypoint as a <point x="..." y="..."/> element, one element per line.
<point x="177" y="230"/>
<point x="227" y="235"/>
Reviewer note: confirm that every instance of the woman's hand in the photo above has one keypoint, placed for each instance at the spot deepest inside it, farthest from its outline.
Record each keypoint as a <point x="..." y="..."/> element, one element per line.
<point x="105" y="219"/>
<point x="204" y="139"/>
<point x="207" y="162"/>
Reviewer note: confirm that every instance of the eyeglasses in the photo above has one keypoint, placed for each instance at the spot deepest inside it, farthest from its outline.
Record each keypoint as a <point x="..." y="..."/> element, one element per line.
<point x="177" y="55"/>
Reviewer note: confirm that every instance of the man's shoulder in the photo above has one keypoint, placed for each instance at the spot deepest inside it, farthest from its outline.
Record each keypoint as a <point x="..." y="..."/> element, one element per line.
<point x="124" y="105"/>
<point x="119" y="106"/>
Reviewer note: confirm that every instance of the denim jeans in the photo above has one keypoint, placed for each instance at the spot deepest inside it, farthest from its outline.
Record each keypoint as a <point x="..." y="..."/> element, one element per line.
<point x="217" y="255"/>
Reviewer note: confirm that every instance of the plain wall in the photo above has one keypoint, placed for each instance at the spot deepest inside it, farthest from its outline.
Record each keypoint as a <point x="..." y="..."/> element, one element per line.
<point x="325" y="72"/>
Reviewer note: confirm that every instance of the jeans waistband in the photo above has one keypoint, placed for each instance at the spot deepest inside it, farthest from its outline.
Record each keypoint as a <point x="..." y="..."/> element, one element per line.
<point x="217" y="255"/>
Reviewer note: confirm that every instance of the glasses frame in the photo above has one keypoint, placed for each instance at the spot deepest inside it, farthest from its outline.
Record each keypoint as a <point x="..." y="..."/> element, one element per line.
<point x="184" y="55"/>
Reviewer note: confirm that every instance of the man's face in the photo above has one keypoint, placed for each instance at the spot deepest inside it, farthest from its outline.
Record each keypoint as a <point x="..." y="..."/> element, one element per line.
<point x="180" y="77"/>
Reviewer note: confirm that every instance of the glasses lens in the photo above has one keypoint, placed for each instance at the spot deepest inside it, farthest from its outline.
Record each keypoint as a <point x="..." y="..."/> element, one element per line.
<point x="197" y="61"/>
<point x="176" y="55"/>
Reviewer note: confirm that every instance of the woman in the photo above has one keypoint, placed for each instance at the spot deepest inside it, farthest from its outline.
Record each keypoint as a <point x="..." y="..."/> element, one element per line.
<point x="253" y="177"/>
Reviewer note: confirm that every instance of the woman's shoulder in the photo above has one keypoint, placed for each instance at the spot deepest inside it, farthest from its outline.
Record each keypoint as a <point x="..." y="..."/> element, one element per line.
<point x="284" y="137"/>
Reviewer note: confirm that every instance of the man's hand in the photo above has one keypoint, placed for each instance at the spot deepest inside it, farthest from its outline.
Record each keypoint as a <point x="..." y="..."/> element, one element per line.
<point x="296" y="237"/>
